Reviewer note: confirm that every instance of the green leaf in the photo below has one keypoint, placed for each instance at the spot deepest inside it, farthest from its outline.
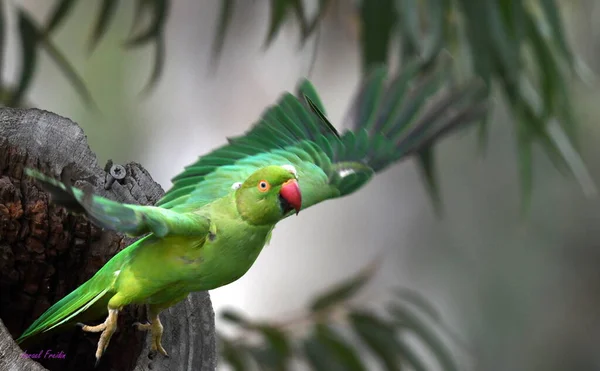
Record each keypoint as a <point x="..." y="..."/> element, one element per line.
<point x="409" y="356"/>
<point x="107" y="12"/>
<point x="344" y="290"/>
<point x="408" y="319"/>
<point x="524" y="144"/>
<point x="318" y="357"/>
<point x="426" y="165"/>
<point x="552" y="14"/>
<point x="138" y="14"/>
<point x="278" y="342"/>
<point x="278" y="13"/>
<point x="227" y="7"/>
<point x="298" y="9"/>
<point x="337" y="346"/>
<point x="155" y="32"/>
<point x="68" y="70"/>
<point x="419" y="301"/>
<point x="59" y="13"/>
<point x="550" y="75"/>
<point x="159" y="10"/>
<point x="378" y="19"/>
<point x="438" y="9"/>
<point x="29" y="38"/>
<point x="379" y="337"/>
<point x="233" y="317"/>
<point x="507" y="49"/>
<point x="408" y="16"/>
<point x="321" y="12"/>
<point x="159" y="64"/>
<point x="234" y="356"/>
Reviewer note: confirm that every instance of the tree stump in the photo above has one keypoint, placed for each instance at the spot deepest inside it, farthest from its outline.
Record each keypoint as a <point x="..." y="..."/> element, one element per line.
<point x="46" y="252"/>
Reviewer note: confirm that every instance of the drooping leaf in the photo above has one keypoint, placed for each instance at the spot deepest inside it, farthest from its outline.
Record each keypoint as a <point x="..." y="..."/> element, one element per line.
<point x="227" y="7"/>
<point x="552" y="14"/>
<point x="407" y="318"/>
<point x="235" y="356"/>
<point x="434" y="42"/>
<point x="318" y="357"/>
<point x="68" y="70"/>
<point x="426" y="165"/>
<point x="416" y="299"/>
<point x="278" y="348"/>
<point x="408" y="15"/>
<point x="278" y="11"/>
<point x="233" y="317"/>
<point x="29" y="39"/>
<point x="377" y="22"/>
<point x="379" y="337"/>
<point x="159" y="10"/>
<point x="344" y="290"/>
<point x="107" y="12"/>
<point x="58" y="14"/>
<point x="159" y="64"/>
<point x="312" y="24"/>
<point x="410" y="357"/>
<point x="344" y="354"/>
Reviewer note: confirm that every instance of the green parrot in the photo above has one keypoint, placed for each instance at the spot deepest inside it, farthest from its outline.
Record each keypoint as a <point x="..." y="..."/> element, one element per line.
<point x="210" y="227"/>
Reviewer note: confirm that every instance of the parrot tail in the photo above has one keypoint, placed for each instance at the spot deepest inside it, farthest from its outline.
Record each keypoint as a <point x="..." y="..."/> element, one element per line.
<point x="67" y="308"/>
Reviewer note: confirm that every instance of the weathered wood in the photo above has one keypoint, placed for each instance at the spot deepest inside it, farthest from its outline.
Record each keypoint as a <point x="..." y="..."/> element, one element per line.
<point x="46" y="252"/>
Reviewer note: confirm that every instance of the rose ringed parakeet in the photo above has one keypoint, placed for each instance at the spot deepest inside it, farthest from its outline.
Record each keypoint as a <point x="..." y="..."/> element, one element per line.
<point x="209" y="228"/>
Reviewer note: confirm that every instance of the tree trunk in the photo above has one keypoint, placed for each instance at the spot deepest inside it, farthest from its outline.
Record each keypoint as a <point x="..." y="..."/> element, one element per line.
<point x="46" y="252"/>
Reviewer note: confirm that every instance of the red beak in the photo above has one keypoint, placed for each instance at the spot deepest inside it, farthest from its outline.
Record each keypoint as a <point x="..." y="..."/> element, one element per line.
<point x="290" y="192"/>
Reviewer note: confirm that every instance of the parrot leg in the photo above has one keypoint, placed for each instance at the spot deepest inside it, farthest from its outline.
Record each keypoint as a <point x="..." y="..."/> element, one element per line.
<point x="156" y="328"/>
<point x="107" y="328"/>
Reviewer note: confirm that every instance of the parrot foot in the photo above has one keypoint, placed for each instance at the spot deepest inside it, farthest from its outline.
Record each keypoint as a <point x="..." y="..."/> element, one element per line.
<point x="107" y="328"/>
<point x="156" y="328"/>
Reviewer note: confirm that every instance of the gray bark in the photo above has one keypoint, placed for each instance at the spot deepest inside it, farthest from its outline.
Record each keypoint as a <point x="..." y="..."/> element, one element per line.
<point x="46" y="252"/>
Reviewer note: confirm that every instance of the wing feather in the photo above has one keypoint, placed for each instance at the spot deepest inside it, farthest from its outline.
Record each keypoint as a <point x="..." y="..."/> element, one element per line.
<point x="388" y="121"/>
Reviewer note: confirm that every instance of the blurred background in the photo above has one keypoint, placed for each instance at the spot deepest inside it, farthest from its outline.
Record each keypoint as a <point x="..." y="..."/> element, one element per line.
<point x="514" y="277"/>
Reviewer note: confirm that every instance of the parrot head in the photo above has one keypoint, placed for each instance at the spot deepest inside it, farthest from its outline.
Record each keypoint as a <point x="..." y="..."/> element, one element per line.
<point x="269" y="194"/>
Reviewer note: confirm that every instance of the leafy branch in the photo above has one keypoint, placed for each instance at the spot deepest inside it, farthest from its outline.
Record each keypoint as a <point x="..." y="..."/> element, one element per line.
<point x="519" y="47"/>
<point x="333" y="334"/>
<point x="148" y="28"/>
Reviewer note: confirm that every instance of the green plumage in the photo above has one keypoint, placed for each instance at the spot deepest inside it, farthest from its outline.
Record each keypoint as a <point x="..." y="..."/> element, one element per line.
<point x="210" y="226"/>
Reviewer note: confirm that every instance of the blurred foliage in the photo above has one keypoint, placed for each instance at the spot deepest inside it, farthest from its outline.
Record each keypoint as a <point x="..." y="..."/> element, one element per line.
<point x="518" y="48"/>
<point x="333" y="335"/>
<point x="147" y="28"/>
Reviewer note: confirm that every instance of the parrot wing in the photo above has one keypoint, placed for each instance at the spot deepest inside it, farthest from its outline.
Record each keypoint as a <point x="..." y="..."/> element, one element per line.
<point x="389" y="120"/>
<point x="135" y="220"/>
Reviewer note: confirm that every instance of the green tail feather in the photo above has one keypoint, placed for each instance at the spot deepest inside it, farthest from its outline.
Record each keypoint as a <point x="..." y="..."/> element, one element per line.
<point x="65" y="310"/>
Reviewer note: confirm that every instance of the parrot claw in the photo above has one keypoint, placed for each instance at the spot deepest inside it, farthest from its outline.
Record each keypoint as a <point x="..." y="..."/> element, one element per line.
<point x="156" y="328"/>
<point x="107" y="329"/>
<point x="80" y="325"/>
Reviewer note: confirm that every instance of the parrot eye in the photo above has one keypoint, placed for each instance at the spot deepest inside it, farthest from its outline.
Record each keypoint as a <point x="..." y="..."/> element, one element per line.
<point x="263" y="186"/>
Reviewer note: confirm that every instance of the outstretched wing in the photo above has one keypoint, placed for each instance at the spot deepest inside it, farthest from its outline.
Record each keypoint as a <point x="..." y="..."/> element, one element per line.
<point x="134" y="220"/>
<point x="389" y="119"/>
